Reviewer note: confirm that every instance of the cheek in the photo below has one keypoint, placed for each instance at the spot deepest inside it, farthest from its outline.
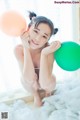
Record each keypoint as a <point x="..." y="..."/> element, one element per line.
<point x="43" y="42"/>
<point x="31" y="34"/>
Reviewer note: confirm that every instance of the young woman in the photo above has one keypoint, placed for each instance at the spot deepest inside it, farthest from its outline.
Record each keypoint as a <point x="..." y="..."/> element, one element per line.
<point x="35" y="57"/>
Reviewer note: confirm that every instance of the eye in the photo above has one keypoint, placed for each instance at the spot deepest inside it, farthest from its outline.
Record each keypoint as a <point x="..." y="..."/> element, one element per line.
<point x="35" y="31"/>
<point x="45" y="37"/>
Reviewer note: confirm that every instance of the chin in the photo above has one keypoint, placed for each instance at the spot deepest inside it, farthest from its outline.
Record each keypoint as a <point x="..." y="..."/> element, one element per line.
<point x="32" y="47"/>
<point x="36" y="47"/>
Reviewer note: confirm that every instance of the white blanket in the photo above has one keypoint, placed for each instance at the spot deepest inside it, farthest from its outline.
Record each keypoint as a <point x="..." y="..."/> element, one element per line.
<point x="63" y="105"/>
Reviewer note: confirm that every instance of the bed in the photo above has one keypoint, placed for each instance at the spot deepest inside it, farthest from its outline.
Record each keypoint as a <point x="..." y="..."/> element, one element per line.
<point x="63" y="105"/>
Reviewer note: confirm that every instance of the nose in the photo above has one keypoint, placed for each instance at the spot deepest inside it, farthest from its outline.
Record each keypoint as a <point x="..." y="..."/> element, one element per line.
<point x="37" y="38"/>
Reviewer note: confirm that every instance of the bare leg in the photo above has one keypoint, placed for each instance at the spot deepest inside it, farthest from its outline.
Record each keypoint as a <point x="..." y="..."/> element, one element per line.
<point x="37" y="99"/>
<point x="47" y="80"/>
<point x="29" y="79"/>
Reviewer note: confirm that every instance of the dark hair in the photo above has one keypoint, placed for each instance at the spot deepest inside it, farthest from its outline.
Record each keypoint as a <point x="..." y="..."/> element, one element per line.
<point x="41" y="19"/>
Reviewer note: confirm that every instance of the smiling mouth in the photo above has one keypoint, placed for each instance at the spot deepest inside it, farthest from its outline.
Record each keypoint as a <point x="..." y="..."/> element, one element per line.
<point x="34" y="42"/>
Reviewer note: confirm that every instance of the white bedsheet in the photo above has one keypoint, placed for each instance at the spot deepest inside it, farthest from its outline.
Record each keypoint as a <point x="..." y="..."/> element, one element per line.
<point x="63" y="105"/>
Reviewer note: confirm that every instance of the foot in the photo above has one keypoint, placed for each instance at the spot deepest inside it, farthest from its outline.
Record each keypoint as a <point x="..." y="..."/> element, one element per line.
<point x="47" y="94"/>
<point x="37" y="99"/>
<point x="44" y="93"/>
<point x="38" y="102"/>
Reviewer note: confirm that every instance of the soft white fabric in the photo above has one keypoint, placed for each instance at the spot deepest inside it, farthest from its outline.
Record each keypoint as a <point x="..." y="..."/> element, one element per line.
<point x="63" y="105"/>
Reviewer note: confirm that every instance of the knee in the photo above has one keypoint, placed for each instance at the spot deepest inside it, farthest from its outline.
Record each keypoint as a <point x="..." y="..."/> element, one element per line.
<point x="29" y="86"/>
<point x="51" y="84"/>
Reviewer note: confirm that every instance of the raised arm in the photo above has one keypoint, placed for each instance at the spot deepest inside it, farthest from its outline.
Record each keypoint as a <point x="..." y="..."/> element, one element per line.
<point x="46" y="78"/>
<point x="29" y="74"/>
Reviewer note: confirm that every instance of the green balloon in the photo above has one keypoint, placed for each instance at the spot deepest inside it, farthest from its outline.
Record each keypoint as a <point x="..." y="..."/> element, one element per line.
<point x="68" y="56"/>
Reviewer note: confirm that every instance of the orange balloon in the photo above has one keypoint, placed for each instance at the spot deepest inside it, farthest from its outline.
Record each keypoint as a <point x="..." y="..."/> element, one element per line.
<point x="12" y="23"/>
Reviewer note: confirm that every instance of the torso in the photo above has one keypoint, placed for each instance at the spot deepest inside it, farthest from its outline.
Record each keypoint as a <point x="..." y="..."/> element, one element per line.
<point x="36" y="62"/>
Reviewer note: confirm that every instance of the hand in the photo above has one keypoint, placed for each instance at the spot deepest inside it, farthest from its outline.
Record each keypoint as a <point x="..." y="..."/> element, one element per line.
<point x="25" y="39"/>
<point x="51" y="48"/>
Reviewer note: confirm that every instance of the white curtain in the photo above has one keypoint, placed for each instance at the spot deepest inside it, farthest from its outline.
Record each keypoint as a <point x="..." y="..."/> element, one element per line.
<point x="60" y="14"/>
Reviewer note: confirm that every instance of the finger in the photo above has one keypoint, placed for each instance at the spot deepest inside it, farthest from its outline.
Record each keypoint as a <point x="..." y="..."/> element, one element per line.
<point x="25" y="34"/>
<point x="57" y="44"/>
<point x="25" y="38"/>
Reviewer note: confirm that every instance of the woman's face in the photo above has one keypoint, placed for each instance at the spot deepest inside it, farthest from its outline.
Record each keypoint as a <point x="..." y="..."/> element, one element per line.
<point x="39" y="36"/>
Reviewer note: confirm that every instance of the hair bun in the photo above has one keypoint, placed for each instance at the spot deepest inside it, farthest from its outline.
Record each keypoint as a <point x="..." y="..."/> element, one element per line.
<point x="55" y="30"/>
<point x="31" y="15"/>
